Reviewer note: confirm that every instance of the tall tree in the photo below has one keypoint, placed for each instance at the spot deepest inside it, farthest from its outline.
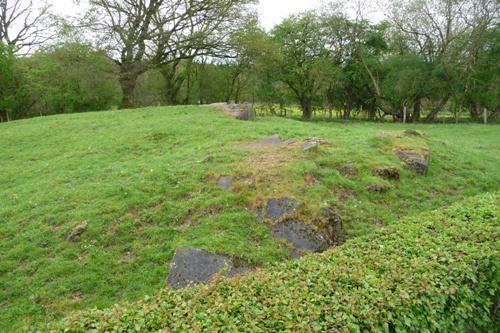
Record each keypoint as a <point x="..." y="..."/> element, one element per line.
<point x="304" y="57"/>
<point x="24" y="24"/>
<point x="143" y="34"/>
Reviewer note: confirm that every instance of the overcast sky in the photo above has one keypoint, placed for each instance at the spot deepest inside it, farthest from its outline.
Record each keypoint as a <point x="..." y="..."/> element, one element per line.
<point x="271" y="11"/>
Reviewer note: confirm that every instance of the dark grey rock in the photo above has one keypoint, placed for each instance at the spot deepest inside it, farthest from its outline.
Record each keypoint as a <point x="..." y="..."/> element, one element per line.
<point x="414" y="161"/>
<point x="389" y="173"/>
<point x="379" y="188"/>
<point x="279" y="208"/>
<point x="77" y="231"/>
<point x="193" y="266"/>
<point x="225" y="182"/>
<point x="303" y="237"/>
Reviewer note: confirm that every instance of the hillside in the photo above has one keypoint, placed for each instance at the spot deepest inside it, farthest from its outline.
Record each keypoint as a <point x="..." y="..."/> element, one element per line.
<point x="436" y="272"/>
<point x="142" y="183"/>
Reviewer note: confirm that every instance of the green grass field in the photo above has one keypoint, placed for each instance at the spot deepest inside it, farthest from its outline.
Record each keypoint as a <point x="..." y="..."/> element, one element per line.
<point x="144" y="180"/>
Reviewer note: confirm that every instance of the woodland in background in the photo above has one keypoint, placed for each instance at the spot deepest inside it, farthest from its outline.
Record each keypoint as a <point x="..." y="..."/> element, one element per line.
<point x="426" y="59"/>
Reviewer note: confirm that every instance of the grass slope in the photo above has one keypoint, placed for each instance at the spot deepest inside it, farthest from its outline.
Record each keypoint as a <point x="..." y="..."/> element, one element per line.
<point x="437" y="272"/>
<point x="143" y="180"/>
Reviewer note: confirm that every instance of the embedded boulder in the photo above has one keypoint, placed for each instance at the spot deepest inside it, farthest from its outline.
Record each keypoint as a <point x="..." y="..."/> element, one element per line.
<point x="414" y="160"/>
<point x="279" y="208"/>
<point x="302" y="237"/>
<point x="190" y="267"/>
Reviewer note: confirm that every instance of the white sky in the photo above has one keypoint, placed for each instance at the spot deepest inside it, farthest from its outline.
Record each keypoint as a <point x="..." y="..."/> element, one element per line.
<point x="271" y="12"/>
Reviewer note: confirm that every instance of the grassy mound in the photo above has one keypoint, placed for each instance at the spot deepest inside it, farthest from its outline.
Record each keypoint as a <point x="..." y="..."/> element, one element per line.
<point x="143" y="182"/>
<point x="437" y="272"/>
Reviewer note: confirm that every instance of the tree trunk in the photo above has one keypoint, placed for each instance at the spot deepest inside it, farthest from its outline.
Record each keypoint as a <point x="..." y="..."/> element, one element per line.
<point x="306" y="105"/>
<point x="474" y="114"/>
<point x="417" y="109"/>
<point x="128" y="82"/>
<point x="432" y="116"/>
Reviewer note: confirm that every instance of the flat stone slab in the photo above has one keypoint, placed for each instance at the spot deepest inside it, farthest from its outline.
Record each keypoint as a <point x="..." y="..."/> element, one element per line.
<point x="303" y="237"/>
<point x="279" y="208"/>
<point x="194" y="266"/>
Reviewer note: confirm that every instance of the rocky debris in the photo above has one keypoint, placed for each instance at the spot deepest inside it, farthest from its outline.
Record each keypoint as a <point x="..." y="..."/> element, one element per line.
<point x="279" y="208"/>
<point x="348" y="170"/>
<point x="333" y="227"/>
<point x="77" y="231"/>
<point x="378" y="188"/>
<point x="389" y="173"/>
<point x="243" y="111"/>
<point x="414" y="160"/>
<point x="273" y="141"/>
<point x="302" y="237"/>
<point x="410" y="132"/>
<point x="194" y="266"/>
<point x="225" y="182"/>
<point x="313" y="143"/>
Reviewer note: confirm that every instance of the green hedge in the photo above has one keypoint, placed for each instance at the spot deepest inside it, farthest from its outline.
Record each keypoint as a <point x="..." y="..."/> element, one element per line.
<point x="437" y="272"/>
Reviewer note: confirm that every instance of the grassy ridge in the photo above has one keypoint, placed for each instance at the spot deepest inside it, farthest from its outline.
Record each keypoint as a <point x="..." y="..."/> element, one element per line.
<point x="144" y="182"/>
<point x="437" y="272"/>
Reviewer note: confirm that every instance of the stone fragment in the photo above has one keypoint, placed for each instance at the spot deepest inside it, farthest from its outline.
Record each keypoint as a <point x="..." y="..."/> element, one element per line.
<point x="77" y="231"/>
<point x="378" y="188"/>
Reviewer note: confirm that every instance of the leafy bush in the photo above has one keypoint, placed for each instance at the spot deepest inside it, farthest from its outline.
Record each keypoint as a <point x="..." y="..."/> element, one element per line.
<point x="436" y="272"/>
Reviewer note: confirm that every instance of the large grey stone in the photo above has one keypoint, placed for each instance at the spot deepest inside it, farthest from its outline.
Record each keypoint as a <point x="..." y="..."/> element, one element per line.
<point x="279" y="208"/>
<point x="302" y="237"/>
<point x="193" y="266"/>
<point x="413" y="160"/>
